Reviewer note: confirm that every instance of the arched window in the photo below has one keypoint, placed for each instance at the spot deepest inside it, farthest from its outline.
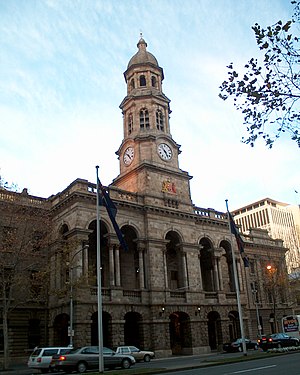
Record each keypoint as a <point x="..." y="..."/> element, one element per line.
<point x="144" y="118"/>
<point x="130" y="123"/>
<point x="153" y="81"/>
<point x="159" y="120"/>
<point x="142" y="80"/>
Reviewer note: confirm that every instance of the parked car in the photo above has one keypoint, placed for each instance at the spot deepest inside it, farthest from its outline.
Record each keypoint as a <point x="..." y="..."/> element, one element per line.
<point x="87" y="358"/>
<point x="237" y="345"/>
<point x="40" y="358"/>
<point x="138" y="354"/>
<point x="277" y="340"/>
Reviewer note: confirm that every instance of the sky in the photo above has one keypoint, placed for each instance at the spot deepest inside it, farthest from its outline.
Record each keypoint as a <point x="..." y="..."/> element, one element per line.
<point x="61" y="84"/>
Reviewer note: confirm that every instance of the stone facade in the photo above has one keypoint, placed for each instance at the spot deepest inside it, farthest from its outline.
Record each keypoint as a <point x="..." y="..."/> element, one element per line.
<point x="173" y="290"/>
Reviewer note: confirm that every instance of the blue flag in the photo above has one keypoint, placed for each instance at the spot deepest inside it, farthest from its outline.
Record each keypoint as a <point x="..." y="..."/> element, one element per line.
<point x="104" y="199"/>
<point x="240" y="242"/>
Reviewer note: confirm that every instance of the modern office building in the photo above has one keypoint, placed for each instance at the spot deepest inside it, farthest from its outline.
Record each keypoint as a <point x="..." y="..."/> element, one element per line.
<point x="281" y="220"/>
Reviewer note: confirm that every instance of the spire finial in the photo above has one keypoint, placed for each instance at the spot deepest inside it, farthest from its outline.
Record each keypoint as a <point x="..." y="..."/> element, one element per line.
<point x="142" y="44"/>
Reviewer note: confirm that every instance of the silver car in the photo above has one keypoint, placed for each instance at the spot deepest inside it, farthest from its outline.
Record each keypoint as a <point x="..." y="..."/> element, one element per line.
<point x="87" y="358"/>
<point x="138" y="354"/>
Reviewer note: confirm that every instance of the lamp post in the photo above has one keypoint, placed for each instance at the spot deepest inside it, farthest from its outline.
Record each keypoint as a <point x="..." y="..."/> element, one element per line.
<point x="254" y="293"/>
<point x="71" y="333"/>
<point x="272" y="284"/>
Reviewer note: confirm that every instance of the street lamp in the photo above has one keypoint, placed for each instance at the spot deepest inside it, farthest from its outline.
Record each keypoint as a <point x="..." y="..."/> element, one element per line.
<point x="272" y="286"/>
<point x="71" y="333"/>
<point x="254" y="292"/>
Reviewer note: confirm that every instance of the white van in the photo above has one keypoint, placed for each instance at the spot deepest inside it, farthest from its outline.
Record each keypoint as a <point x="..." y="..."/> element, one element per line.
<point x="41" y="357"/>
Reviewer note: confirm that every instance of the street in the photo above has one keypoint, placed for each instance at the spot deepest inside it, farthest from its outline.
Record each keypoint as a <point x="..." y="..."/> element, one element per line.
<point x="268" y="366"/>
<point x="199" y="364"/>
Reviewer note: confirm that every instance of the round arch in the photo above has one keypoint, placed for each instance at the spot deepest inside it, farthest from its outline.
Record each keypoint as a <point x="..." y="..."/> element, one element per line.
<point x="234" y="325"/>
<point x="129" y="260"/>
<point x="228" y="277"/>
<point x="106" y="329"/>
<point x="92" y="253"/>
<point x="174" y="260"/>
<point x="207" y="265"/>
<point x="60" y="330"/>
<point x="214" y="328"/>
<point x="180" y="333"/>
<point x="133" y="333"/>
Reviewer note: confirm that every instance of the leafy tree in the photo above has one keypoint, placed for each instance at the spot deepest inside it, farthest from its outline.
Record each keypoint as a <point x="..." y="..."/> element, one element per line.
<point x="268" y="93"/>
<point x="24" y="224"/>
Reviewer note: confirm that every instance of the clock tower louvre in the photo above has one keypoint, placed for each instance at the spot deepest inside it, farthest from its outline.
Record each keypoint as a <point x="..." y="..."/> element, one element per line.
<point x="148" y="154"/>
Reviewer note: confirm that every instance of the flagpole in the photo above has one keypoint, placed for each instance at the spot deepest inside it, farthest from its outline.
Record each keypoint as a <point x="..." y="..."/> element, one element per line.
<point x="99" y="294"/>
<point x="237" y="288"/>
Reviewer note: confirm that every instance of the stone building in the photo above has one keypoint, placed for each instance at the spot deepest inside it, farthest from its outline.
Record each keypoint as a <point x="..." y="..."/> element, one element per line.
<point x="173" y="290"/>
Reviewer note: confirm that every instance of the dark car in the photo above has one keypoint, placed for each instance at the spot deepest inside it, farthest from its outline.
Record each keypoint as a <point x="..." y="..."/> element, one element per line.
<point x="87" y="358"/>
<point x="237" y="345"/>
<point x="277" y="340"/>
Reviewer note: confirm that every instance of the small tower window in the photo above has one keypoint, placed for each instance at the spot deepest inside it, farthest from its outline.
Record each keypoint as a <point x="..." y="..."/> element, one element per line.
<point x="144" y="119"/>
<point x="130" y="123"/>
<point x="142" y="80"/>
<point x="159" y="120"/>
<point x="153" y="81"/>
<point x="132" y="85"/>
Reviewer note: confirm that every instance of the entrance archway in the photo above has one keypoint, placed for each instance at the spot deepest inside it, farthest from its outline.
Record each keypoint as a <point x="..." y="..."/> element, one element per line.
<point x="234" y="325"/>
<point x="106" y="329"/>
<point x="60" y="328"/>
<point x="180" y="333"/>
<point x="214" y="330"/>
<point x="133" y="334"/>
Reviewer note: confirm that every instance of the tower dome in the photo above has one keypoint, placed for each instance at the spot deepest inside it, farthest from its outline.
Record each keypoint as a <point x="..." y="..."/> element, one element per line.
<point x="142" y="56"/>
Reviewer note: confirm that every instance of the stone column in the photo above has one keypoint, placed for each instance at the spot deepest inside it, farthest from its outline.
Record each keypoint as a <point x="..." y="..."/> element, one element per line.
<point x="117" y="265"/>
<point x="239" y="272"/>
<point x="141" y="268"/>
<point x="165" y="268"/>
<point x="216" y="274"/>
<point x="111" y="265"/>
<point x="218" y="255"/>
<point x="184" y="268"/>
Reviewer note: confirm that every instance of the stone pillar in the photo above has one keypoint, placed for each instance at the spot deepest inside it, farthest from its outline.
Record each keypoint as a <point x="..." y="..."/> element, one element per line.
<point x="216" y="274"/>
<point x="141" y="268"/>
<point x="117" y="264"/>
<point x="218" y="255"/>
<point x="184" y="269"/>
<point x="111" y="265"/>
<point x="165" y="268"/>
<point x="239" y="272"/>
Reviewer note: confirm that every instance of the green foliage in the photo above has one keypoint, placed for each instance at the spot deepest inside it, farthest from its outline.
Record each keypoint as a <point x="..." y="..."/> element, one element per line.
<point x="268" y="93"/>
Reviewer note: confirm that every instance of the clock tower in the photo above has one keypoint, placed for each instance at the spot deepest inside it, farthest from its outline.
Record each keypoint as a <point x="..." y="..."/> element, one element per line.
<point x="148" y="154"/>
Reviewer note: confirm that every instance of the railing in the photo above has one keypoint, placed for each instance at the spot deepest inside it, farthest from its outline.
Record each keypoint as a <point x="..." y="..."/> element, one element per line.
<point x="177" y="294"/>
<point x="105" y="292"/>
<point x="210" y="213"/>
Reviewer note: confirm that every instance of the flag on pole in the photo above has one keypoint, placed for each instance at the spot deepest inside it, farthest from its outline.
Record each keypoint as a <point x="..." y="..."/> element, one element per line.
<point x="240" y="243"/>
<point x="104" y="199"/>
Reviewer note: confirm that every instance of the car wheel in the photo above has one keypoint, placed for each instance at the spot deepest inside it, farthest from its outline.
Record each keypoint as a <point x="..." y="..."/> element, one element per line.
<point x="81" y="367"/>
<point x="147" y="358"/>
<point x="126" y="363"/>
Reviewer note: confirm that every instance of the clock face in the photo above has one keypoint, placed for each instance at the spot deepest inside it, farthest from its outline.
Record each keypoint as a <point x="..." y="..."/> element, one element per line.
<point x="164" y="151"/>
<point x="128" y="155"/>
